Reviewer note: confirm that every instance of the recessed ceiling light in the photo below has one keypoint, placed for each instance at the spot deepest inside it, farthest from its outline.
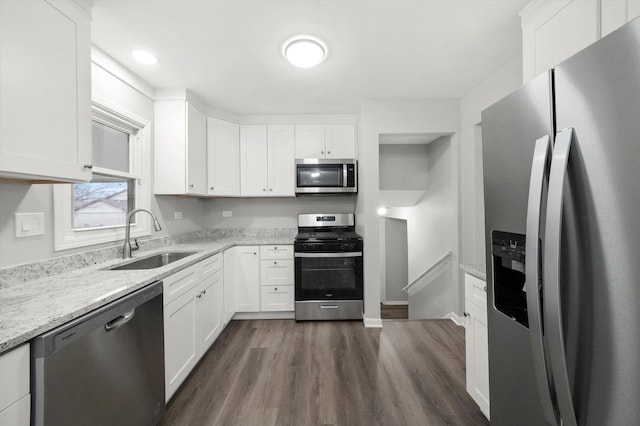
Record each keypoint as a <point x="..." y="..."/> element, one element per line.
<point x="144" y="57"/>
<point x="304" y="51"/>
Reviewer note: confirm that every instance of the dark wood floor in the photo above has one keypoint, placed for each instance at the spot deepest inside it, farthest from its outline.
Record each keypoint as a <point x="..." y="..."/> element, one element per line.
<point x="279" y="372"/>
<point x="394" y="312"/>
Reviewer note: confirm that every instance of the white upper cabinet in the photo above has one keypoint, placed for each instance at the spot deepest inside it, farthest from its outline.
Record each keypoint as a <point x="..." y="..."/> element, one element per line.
<point x="223" y="157"/>
<point x="554" y="30"/>
<point x="45" y="78"/>
<point x="267" y="161"/>
<point x="180" y="148"/>
<point x="616" y="13"/>
<point x="281" y="162"/>
<point x="325" y="141"/>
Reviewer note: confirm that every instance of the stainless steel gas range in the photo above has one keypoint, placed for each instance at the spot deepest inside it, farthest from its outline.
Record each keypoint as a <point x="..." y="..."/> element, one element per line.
<point x="328" y="268"/>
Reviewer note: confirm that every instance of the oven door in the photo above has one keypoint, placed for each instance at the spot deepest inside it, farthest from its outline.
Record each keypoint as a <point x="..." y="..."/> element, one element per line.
<point x="328" y="276"/>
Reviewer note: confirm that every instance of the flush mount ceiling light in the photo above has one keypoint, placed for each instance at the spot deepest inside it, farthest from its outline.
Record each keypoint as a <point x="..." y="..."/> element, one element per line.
<point x="304" y="51"/>
<point x="144" y="57"/>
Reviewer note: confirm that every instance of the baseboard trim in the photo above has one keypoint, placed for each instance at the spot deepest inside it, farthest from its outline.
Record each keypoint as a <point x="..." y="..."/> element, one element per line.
<point x="455" y="318"/>
<point x="263" y="315"/>
<point x="372" y="322"/>
<point x="398" y="302"/>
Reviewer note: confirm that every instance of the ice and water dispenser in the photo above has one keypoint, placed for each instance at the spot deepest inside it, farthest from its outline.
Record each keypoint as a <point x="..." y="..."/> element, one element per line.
<point x="509" y="294"/>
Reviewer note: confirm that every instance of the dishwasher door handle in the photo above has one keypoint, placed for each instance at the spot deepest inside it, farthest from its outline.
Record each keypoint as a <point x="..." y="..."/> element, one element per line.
<point x="120" y="321"/>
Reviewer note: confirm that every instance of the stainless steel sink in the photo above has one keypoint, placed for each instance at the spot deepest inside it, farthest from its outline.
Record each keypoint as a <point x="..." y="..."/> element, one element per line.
<point x="154" y="261"/>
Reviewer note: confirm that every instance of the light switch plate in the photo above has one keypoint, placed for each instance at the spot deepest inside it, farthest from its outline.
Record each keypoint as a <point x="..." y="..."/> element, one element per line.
<point x="227" y="213"/>
<point x="29" y="224"/>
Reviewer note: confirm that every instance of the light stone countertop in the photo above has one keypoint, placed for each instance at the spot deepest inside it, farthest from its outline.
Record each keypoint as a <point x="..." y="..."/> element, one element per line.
<point x="478" y="271"/>
<point x="36" y="306"/>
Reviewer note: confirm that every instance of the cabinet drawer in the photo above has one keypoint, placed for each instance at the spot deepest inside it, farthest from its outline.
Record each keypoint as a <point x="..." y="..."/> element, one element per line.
<point x="176" y="284"/>
<point x="276" y="298"/>
<point x="276" y="252"/>
<point x="14" y="375"/>
<point x="276" y="272"/>
<point x="211" y="265"/>
<point x="475" y="290"/>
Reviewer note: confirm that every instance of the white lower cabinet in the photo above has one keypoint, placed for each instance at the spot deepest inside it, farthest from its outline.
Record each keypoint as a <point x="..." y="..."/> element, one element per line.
<point x="193" y="318"/>
<point x="476" y="342"/>
<point x="276" y="298"/>
<point x="15" y="400"/>
<point x="209" y="311"/>
<point x="247" y="279"/>
<point x="179" y="341"/>
<point x="229" y="284"/>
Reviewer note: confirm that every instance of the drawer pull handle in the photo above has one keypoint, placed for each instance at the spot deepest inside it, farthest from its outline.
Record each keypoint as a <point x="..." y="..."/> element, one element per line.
<point x="329" y="306"/>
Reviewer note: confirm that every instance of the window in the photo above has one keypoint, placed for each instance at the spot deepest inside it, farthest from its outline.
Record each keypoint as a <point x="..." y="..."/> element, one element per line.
<point x="96" y="212"/>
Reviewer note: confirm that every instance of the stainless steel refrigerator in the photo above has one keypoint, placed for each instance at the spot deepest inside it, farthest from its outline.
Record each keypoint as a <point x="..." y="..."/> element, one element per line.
<point x="562" y="209"/>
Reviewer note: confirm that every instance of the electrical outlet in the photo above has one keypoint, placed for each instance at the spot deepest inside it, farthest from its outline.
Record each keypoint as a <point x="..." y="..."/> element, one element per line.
<point x="227" y="213"/>
<point x="177" y="215"/>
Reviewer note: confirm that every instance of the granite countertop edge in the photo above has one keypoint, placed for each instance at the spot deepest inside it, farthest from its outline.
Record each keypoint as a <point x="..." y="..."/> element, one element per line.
<point x="40" y="305"/>
<point x="477" y="271"/>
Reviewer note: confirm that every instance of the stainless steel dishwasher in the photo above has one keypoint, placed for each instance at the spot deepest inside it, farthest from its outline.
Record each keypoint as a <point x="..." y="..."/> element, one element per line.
<point x="104" y="368"/>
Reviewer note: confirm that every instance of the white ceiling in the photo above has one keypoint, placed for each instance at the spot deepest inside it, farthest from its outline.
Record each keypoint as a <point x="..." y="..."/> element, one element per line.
<point x="228" y="52"/>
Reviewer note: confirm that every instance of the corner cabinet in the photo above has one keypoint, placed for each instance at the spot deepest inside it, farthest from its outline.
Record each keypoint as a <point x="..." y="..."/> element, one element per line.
<point x="267" y="161"/>
<point x="223" y="158"/>
<point x="476" y="342"/>
<point x="180" y="147"/>
<point x="325" y="141"/>
<point x="15" y="400"/>
<point x="45" y="76"/>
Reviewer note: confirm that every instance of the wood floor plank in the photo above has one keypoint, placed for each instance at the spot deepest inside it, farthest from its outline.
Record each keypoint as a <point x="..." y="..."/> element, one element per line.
<point x="283" y="373"/>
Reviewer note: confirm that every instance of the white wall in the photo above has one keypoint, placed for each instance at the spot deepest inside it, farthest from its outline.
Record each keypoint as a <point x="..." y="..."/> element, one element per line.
<point x="505" y="80"/>
<point x="431" y="226"/>
<point x="271" y="212"/>
<point x="395" y="117"/>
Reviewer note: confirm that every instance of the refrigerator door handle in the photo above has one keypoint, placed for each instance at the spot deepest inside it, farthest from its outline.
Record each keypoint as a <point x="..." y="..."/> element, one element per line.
<point x="551" y="272"/>
<point x="532" y="282"/>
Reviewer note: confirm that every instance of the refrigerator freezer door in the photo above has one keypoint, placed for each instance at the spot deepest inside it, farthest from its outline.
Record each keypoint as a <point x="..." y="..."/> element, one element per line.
<point x="510" y="129"/>
<point x="597" y="93"/>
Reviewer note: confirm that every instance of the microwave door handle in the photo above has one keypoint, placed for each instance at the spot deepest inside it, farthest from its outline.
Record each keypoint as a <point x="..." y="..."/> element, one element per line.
<point x="532" y="248"/>
<point x="344" y="175"/>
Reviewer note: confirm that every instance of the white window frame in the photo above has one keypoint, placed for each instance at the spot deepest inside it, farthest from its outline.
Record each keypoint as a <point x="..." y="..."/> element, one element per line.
<point x="65" y="237"/>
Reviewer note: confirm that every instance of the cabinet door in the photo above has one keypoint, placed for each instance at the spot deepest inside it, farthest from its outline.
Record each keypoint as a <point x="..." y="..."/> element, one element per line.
<point x="281" y="163"/>
<point x="223" y="153"/>
<point x="14" y="375"/>
<point x="196" y="152"/>
<point x="45" y="78"/>
<point x="477" y="355"/>
<point x="276" y="272"/>
<point x="309" y="141"/>
<point x="18" y="414"/>
<point x="180" y="343"/>
<point x="555" y="30"/>
<point x="209" y="305"/>
<point x="247" y="283"/>
<point x="229" y="284"/>
<point x="253" y="161"/>
<point x="340" y="141"/>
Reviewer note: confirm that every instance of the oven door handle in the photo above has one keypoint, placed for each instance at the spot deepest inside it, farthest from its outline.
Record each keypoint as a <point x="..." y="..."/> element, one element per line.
<point x="340" y="254"/>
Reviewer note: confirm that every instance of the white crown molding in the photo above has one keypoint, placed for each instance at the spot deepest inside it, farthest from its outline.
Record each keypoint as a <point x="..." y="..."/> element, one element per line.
<point x="113" y="67"/>
<point x="84" y="6"/>
<point x="300" y="119"/>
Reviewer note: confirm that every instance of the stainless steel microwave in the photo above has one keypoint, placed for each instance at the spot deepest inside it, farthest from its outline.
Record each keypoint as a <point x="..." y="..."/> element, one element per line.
<point x="319" y="176"/>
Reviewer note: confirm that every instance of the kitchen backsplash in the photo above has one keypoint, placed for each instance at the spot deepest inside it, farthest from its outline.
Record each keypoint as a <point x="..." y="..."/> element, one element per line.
<point x="17" y="274"/>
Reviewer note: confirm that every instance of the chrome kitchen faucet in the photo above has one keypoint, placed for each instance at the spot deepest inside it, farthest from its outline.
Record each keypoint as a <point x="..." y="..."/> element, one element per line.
<point x="126" y="249"/>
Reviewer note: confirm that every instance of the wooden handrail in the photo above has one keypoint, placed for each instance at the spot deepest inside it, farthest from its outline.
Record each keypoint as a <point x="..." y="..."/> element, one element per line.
<point x="444" y="259"/>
